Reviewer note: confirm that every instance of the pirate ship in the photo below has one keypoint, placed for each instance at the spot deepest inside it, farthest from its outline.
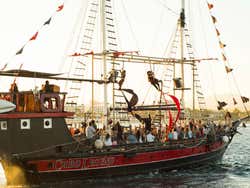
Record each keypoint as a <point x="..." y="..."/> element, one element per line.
<point x="36" y="144"/>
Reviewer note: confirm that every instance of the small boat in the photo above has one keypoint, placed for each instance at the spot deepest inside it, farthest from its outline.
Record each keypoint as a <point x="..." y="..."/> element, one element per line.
<point x="37" y="144"/>
<point x="6" y="106"/>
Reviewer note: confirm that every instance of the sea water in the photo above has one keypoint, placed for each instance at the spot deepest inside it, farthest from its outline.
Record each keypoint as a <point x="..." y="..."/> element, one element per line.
<point x="232" y="171"/>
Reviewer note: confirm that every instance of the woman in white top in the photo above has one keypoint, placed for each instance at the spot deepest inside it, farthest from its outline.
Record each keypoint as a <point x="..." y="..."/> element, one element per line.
<point x="175" y="134"/>
<point x="108" y="141"/>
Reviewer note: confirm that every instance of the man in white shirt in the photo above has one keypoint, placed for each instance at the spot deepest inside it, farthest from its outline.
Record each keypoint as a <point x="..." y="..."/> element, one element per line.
<point x="90" y="130"/>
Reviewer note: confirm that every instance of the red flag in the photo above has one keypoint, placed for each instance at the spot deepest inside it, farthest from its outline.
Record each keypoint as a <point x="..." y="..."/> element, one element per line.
<point x="76" y="54"/>
<point x="210" y="6"/>
<point x="34" y="36"/>
<point x="60" y="8"/>
<point x="177" y="103"/>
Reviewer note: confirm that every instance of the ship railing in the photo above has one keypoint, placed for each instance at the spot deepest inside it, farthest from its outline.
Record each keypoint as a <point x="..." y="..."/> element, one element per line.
<point x="29" y="101"/>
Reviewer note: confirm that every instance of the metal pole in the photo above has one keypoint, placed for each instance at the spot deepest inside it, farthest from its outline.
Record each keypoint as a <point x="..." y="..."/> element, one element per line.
<point x="182" y="20"/>
<point x="194" y="66"/>
<point x="103" y="49"/>
<point x="93" y="94"/>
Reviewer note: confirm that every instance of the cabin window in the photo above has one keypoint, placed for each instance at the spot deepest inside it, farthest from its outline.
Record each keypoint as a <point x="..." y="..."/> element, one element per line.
<point x="3" y="125"/>
<point x="25" y="123"/>
<point x="47" y="123"/>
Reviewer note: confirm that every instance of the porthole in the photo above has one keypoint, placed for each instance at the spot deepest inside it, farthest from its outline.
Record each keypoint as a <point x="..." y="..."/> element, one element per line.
<point x="47" y="123"/>
<point x="25" y="123"/>
<point x="3" y="125"/>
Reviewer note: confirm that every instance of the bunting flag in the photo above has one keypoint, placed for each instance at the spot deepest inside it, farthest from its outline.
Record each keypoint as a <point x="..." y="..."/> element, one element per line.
<point x="48" y="21"/>
<point x="34" y="36"/>
<point x="228" y="70"/>
<point x="224" y="57"/>
<point x="244" y="99"/>
<point x="79" y="54"/>
<point x="214" y="19"/>
<point x="235" y="102"/>
<point x="60" y="8"/>
<point x="75" y="54"/>
<point x="221" y="104"/>
<point x="217" y="32"/>
<point x="20" y="51"/>
<point x="210" y="6"/>
<point x="222" y="45"/>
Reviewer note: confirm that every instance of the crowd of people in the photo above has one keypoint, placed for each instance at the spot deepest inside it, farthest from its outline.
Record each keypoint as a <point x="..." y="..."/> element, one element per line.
<point x="118" y="134"/>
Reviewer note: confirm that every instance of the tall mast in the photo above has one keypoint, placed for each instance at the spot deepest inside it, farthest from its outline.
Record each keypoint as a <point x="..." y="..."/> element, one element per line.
<point x="103" y="50"/>
<point x="182" y="22"/>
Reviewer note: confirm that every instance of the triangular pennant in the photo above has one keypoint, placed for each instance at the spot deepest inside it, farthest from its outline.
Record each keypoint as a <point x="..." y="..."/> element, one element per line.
<point x="244" y="99"/>
<point x="214" y="19"/>
<point x="34" y="36"/>
<point x="228" y="70"/>
<point x="221" y="104"/>
<point x="222" y="45"/>
<point x="210" y="6"/>
<point x="217" y="32"/>
<point x="235" y="102"/>
<point x="20" y="51"/>
<point x="47" y="22"/>
<point x="224" y="57"/>
<point x="60" y="8"/>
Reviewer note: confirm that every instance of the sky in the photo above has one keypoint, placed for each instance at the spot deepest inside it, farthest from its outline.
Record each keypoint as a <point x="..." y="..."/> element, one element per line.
<point x="142" y="25"/>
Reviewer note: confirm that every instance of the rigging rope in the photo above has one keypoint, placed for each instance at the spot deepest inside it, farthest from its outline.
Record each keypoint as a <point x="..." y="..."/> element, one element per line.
<point x="169" y="9"/>
<point x="225" y="59"/>
<point x="129" y="24"/>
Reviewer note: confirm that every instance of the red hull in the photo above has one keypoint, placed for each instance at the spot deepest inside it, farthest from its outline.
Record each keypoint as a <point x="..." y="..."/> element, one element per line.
<point x="126" y="160"/>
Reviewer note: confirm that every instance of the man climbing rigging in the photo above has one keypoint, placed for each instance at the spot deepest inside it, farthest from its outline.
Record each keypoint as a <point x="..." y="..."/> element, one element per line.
<point x="154" y="81"/>
<point x="112" y="76"/>
<point x="123" y="75"/>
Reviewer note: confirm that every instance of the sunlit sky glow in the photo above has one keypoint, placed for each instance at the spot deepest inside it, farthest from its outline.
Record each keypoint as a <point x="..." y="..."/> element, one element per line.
<point x="146" y="27"/>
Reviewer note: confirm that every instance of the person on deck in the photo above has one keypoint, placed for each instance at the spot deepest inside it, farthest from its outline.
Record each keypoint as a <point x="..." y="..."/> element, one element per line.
<point x="108" y="141"/>
<point x="14" y="90"/>
<point x="228" y="120"/>
<point x="90" y="130"/>
<point x="150" y="137"/>
<point x="47" y="87"/>
<point x="154" y="81"/>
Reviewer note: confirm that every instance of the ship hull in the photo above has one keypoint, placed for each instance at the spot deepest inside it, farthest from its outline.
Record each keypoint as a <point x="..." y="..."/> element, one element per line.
<point x="131" y="165"/>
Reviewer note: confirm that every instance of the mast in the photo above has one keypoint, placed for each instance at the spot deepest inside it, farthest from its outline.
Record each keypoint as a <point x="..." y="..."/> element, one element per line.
<point x="103" y="50"/>
<point x="93" y="89"/>
<point x="182" y="23"/>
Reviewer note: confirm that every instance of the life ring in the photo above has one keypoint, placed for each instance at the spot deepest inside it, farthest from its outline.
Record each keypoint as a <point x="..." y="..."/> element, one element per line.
<point x="47" y="97"/>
